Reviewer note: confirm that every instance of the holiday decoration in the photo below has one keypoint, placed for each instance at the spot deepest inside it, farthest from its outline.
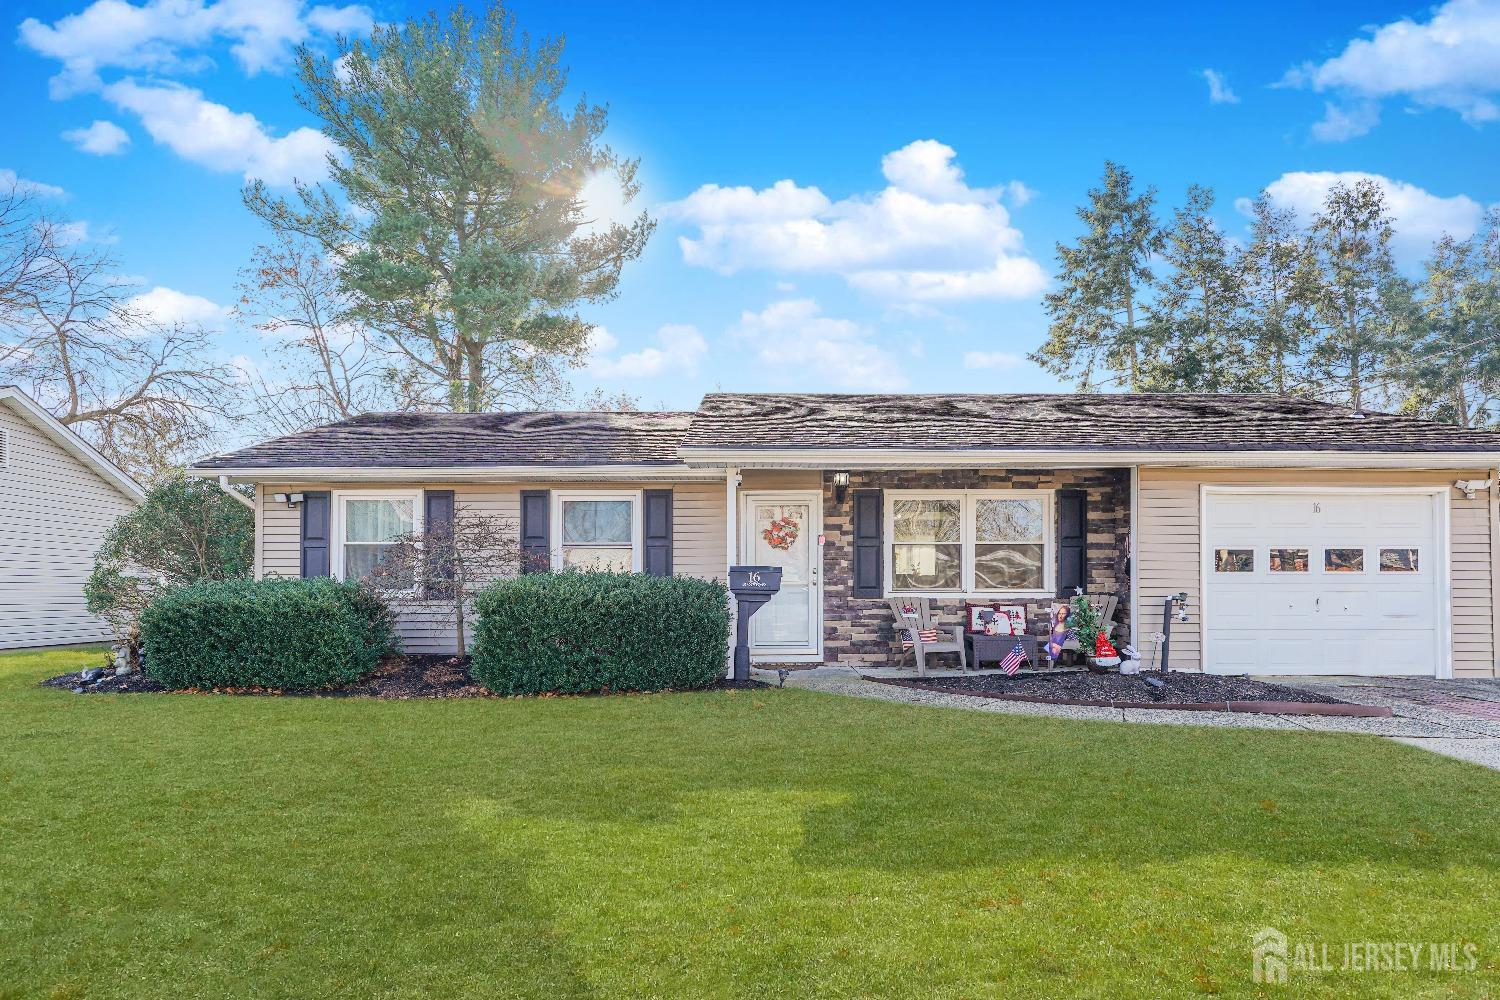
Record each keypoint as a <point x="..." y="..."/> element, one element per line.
<point x="781" y="533"/>
<point x="1105" y="655"/>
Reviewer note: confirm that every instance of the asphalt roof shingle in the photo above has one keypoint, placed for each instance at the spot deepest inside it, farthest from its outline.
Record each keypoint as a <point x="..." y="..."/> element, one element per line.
<point x="1170" y="422"/>
<point x="451" y="440"/>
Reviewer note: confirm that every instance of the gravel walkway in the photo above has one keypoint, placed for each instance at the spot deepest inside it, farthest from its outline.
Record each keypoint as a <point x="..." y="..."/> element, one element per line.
<point x="1446" y="717"/>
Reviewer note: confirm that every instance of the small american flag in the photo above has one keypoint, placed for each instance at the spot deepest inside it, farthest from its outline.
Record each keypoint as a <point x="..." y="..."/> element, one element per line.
<point x="1011" y="662"/>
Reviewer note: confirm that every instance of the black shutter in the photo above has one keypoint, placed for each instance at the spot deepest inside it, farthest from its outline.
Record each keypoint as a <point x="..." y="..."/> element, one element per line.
<point x="657" y="519"/>
<point x="1072" y="541"/>
<point x="536" y="534"/>
<point x="869" y="578"/>
<point x="315" y="533"/>
<point x="437" y="517"/>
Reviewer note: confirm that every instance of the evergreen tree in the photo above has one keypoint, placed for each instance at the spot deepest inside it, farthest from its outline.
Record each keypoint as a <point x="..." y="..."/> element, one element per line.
<point x="1357" y="298"/>
<point x="455" y="214"/>
<point x="1104" y="284"/>
<point x="1277" y="295"/>
<point x="1197" y="316"/>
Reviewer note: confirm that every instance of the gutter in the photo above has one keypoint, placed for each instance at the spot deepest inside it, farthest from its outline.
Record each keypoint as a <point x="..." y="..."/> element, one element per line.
<point x="463" y="473"/>
<point x="909" y="458"/>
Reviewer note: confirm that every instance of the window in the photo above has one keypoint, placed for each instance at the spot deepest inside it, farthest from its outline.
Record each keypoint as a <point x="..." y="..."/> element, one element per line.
<point x="1343" y="560"/>
<point x="1234" y="560"/>
<point x="368" y="525"/>
<point x="598" y="531"/>
<point x="1398" y="560"/>
<point x="1289" y="561"/>
<point x="969" y="542"/>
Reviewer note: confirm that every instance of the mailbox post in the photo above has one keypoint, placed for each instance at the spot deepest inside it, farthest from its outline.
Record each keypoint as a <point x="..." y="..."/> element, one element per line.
<point x="752" y="587"/>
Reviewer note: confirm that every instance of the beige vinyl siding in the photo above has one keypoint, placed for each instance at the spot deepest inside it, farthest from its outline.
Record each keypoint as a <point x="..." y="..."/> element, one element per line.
<point x="54" y="511"/>
<point x="697" y="535"/>
<point x="1168" y="520"/>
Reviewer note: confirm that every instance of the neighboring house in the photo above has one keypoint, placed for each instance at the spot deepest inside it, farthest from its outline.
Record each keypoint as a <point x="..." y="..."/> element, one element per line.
<point x="58" y="496"/>
<point x="1307" y="537"/>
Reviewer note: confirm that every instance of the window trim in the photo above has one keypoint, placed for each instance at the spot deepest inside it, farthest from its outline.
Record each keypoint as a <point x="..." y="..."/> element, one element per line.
<point x="968" y="529"/>
<point x="637" y="522"/>
<point x="336" y="529"/>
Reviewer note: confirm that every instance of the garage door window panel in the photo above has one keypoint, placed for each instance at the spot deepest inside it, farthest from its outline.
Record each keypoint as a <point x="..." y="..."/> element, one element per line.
<point x="1234" y="560"/>
<point x="1289" y="561"/>
<point x="1399" y="561"/>
<point x="1344" y="560"/>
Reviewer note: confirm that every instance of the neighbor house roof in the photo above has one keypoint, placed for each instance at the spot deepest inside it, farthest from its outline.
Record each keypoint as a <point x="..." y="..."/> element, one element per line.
<point x="749" y="423"/>
<point x="37" y="415"/>
<point x="430" y="441"/>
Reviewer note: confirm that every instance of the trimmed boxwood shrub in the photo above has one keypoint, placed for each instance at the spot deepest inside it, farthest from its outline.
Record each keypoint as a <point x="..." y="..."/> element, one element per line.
<point x="297" y="635"/>
<point x="578" y="632"/>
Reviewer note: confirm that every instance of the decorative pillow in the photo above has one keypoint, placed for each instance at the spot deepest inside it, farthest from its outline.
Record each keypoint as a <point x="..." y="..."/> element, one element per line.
<point x="996" y="619"/>
<point x="925" y="634"/>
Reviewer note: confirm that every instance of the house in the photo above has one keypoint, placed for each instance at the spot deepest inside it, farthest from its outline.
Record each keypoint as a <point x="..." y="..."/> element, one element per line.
<point x="1307" y="537"/>
<point x="58" y="496"/>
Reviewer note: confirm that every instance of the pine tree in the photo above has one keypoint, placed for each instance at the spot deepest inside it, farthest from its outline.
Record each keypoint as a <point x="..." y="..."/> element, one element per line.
<point x="1278" y="294"/>
<point x="1104" y="283"/>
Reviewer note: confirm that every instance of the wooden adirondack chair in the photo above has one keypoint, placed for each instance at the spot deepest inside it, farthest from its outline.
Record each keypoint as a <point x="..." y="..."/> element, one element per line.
<point x="950" y="637"/>
<point x="1106" y="605"/>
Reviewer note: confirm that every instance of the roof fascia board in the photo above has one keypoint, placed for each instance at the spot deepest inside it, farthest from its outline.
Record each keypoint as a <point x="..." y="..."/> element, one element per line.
<point x="70" y="442"/>
<point x="871" y="458"/>
<point x="476" y="474"/>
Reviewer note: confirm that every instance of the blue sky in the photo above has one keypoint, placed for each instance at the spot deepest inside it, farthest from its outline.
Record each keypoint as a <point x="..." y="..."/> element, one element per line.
<point x="854" y="197"/>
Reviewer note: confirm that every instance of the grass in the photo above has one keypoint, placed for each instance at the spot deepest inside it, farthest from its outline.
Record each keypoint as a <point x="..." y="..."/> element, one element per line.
<point x="774" y="844"/>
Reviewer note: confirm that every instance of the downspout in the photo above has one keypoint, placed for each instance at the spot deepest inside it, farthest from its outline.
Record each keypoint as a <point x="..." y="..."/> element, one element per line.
<point x="1494" y="574"/>
<point x="224" y="485"/>
<point x="731" y="549"/>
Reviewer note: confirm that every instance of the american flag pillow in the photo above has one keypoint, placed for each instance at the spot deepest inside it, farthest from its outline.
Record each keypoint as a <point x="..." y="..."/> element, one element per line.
<point x="925" y="634"/>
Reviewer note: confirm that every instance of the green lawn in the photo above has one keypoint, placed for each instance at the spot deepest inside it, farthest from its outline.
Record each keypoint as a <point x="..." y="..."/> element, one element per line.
<point x="780" y="843"/>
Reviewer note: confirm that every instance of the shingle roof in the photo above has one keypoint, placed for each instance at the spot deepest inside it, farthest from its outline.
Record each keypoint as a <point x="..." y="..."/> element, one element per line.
<point x="1064" y="421"/>
<point x="450" y="440"/>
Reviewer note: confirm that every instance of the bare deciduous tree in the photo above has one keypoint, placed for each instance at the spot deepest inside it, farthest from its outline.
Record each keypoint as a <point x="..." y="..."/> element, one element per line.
<point x="140" y="390"/>
<point x="326" y="367"/>
<point x="448" y="565"/>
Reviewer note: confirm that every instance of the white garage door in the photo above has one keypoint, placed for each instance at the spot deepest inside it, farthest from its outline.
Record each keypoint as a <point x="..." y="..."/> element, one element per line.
<point x="1323" y="583"/>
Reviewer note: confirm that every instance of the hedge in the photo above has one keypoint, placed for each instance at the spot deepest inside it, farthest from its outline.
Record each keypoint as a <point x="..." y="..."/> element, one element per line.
<point x="579" y="632"/>
<point x="296" y="635"/>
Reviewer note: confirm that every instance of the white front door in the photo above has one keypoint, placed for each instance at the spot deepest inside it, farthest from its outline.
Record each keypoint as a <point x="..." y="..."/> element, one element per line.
<point x="1335" y="582"/>
<point x="781" y="529"/>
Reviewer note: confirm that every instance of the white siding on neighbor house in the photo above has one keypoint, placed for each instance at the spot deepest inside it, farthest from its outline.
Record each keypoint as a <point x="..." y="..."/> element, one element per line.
<point x="54" y="511"/>
<point x="697" y="535"/>
<point x="1168" y="520"/>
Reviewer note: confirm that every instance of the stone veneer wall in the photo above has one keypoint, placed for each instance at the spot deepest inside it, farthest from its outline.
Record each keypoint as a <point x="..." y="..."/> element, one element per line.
<point x="860" y="630"/>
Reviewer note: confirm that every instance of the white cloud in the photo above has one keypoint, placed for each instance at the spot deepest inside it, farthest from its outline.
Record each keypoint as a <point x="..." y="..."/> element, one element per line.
<point x="1346" y="121"/>
<point x="1219" y="91"/>
<point x="213" y="136"/>
<point x="981" y="360"/>
<point x="679" y="349"/>
<point x="800" y="345"/>
<point x="80" y="231"/>
<point x="11" y="181"/>
<point x="927" y="234"/>
<point x="168" y="35"/>
<point x="102" y="138"/>
<point x="1419" y="217"/>
<point x="1450" y="61"/>
<point x="168" y="305"/>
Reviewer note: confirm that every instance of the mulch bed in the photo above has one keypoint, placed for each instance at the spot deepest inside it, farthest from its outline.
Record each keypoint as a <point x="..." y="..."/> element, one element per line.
<point x="1187" y="691"/>
<point x="398" y="678"/>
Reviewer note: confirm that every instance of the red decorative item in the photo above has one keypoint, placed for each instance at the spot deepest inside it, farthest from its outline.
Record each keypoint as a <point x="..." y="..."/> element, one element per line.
<point x="1104" y="654"/>
<point x="781" y="533"/>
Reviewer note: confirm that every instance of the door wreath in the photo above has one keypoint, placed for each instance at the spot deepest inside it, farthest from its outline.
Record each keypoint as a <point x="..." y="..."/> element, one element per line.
<point x="781" y="533"/>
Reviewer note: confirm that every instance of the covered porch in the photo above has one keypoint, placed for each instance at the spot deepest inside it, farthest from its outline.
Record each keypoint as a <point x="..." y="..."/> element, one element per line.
<point x="851" y="540"/>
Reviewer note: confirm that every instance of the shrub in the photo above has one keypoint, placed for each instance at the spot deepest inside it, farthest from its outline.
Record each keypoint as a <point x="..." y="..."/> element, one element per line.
<point x="298" y="635"/>
<point x="578" y="632"/>
<point x="185" y="530"/>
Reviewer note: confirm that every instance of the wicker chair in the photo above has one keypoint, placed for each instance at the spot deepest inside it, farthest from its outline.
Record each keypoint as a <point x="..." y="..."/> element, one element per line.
<point x="950" y="637"/>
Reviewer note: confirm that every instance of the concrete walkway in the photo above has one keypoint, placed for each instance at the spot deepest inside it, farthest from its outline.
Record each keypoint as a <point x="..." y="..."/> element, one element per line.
<point x="1457" y="718"/>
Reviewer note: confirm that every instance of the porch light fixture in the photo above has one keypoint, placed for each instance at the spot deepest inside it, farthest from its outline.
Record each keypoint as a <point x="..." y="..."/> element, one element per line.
<point x="1469" y="486"/>
<point x="840" y="484"/>
<point x="290" y="499"/>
